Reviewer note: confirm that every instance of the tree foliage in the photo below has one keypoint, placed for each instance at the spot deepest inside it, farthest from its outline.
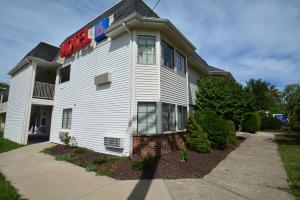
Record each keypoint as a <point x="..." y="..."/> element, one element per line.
<point x="224" y="96"/>
<point x="3" y="85"/>
<point x="291" y="97"/>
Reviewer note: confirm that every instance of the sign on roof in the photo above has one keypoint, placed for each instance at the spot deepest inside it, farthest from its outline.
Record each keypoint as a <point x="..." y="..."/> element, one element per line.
<point x="100" y="27"/>
<point x="75" y="43"/>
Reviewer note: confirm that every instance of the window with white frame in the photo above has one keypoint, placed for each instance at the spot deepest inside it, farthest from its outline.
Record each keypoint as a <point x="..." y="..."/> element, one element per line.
<point x="67" y="118"/>
<point x="180" y="63"/>
<point x="167" y="55"/>
<point x="146" y="49"/>
<point x="181" y="117"/>
<point x="146" y="117"/>
<point x="168" y="117"/>
<point x="64" y="74"/>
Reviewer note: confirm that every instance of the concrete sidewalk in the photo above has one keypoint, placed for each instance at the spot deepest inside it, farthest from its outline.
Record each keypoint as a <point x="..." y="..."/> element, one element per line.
<point x="38" y="176"/>
<point x="253" y="171"/>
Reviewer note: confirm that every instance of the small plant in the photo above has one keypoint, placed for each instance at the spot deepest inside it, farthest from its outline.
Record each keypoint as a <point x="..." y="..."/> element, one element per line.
<point x="64" y="157"/>
<point x="113" y="158"/>
<point x="184" y="154"/>
<point x="46" y="150"/>
<point x="67" y="139"/>
<point x="100" y="160"/>
<point x="91" y="167"/>
<point x="103" y="171"/>
<point x="173" y="177"/>
<point x="79" y="150"/>
<point x="141" y="165"/>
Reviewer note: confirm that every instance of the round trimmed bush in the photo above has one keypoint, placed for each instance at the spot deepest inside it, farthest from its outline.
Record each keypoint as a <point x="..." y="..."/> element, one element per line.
<point x="251" y="122"/>
<point x="275" y="123"/>
<point x="214" y="126"/>
<point x="264" y="121"/>
<point x="231" y="133"/>
<point x="197" y="139"/>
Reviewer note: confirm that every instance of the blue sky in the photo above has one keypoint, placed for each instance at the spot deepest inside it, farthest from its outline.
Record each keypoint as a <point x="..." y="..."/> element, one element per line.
<point x="251" y="39"/>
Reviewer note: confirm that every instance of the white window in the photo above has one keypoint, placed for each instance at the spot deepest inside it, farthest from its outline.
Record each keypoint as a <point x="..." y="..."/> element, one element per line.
<point x="180" y="63"/>
<point x="64" y="74"/>
<point x="181" y="117"/>
<point x="67" y="118"/>
<point x="146" y="117"/>
<point x="168" y="117"/>
<point x="167" y="55"/>
<point x="146" y="49"/>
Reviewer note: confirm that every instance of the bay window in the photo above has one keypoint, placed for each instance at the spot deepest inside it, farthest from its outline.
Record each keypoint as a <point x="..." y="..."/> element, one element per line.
<point x="146" y="50"/>
<point x="168" y="117"/>
<point x="181" y="117"/>
<point x="167" y="53"/>
<point x="180" y="63"/>
<point x="146" y="117"/>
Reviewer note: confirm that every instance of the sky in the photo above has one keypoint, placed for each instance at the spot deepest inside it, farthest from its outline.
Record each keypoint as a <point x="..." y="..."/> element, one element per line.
<point x="249" y="38"/>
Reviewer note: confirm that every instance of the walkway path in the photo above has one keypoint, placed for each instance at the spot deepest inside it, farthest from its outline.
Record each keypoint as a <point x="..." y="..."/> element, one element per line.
<point x="39" y="177"/>
<point x="252" y="172"/>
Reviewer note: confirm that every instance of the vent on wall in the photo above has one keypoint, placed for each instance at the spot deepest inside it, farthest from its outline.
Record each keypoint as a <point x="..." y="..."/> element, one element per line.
<point x="116" y="143"/>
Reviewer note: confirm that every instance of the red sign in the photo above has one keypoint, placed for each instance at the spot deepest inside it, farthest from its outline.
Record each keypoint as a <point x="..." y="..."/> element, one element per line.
<point x="74" y="43"/>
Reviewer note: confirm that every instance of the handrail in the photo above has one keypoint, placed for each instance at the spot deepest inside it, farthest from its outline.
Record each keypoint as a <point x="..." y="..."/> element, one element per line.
<point x="43" y="90"/>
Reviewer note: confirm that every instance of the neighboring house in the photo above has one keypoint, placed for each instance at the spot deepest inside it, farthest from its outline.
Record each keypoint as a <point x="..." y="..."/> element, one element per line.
<point x="124" y="77"/>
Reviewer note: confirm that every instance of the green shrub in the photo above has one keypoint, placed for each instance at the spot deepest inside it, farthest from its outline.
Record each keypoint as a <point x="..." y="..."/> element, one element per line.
<point x="100" y="160"/>
<point x="64" y="157"/>
<point x="67" y="140"/>
<point x="79" y="150"/>
<point x="275" y="123"/>
<point x="184" y="154"/>
<point x="231" y="133"/>
<point x="251" y="122"/>
<point x="197" y="139"/>
<point x="141" y="165"/>
<point x="214" y="126"/>
<point x="91" y="167"/>
<point x="1" y="134"/>
<point x="103" y="171"/>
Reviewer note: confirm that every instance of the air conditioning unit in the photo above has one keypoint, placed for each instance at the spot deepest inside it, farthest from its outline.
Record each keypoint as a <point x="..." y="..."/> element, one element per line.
<point x="116" y="143"/>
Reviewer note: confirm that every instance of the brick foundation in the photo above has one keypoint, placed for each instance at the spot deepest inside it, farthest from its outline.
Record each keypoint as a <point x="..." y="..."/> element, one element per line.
<point x="158" y="144"/>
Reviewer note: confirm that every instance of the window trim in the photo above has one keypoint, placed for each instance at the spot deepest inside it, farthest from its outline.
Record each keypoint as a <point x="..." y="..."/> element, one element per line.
<point x="169" y="114"/>
<point x="68" y="123"/>
<point x="59" y="81"/>
<point x="137" y="118"/>
<point x="137" y="42"/>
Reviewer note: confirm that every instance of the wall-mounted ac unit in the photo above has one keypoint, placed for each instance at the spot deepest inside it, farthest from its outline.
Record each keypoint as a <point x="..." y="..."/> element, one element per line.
<point x="111" y="142"/>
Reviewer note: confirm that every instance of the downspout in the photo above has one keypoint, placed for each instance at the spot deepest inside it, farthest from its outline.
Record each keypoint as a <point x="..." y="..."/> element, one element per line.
<point x="130" y="90"/>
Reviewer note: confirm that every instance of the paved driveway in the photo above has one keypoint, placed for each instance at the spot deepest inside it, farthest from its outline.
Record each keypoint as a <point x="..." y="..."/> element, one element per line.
<point x="252" y="171"/>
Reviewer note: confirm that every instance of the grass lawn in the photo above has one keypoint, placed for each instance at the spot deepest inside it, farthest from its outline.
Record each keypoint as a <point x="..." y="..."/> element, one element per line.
<point x="7" y="191"/>
<point x="289" y="149"/>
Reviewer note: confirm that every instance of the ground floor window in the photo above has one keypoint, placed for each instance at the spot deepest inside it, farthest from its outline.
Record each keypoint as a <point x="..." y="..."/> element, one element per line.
<point x="182" y="117"/>
<point x="67" y="118"/>
<point x="146" y="117"/>
<point x="168" y="117"/>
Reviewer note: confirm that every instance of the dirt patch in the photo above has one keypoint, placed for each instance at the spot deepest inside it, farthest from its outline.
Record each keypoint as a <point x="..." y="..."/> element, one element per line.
<point x="167" y="166"/>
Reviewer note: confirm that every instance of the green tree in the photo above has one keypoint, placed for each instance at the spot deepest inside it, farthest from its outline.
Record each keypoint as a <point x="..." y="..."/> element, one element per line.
<point x="266" y="96"/>
<point x="3" y="85"/>
<point x="291" y="97"/>
<point x="224" y="96"/>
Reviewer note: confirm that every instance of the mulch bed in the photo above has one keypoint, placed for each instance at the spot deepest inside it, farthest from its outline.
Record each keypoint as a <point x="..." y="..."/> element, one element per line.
<point x="168" y="166"/>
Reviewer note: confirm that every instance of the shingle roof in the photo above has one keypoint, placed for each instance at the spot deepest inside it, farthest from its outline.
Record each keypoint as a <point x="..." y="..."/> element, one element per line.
<point x="121" y="10"/>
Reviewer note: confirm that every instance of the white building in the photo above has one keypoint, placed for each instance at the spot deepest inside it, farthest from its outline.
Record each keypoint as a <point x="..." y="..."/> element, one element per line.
<point x="138" y="77"/>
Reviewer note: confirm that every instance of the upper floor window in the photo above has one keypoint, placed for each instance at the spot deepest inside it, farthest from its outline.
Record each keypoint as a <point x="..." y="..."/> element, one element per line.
<point x="180" y="63"/>
<point x="67" y="118"/>
<point x="146" y="49"/>
<point x="167" y="53"/>
<point x="168" y="117"/>
<point x="64" y="74"/>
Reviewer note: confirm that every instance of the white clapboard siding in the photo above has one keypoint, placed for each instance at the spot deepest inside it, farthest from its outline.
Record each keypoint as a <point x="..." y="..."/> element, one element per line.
<point x="97" y="111"/>
<point x="194" y="76"/>
<point x="18" y="103"/>
<point x="173" y="87"/>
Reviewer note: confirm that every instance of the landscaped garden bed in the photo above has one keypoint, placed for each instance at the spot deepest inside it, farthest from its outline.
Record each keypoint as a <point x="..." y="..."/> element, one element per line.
<point x="167" y="166"/>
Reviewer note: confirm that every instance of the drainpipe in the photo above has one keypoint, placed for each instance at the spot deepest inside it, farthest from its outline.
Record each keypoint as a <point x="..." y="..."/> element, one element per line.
<point x="130" y="89"/>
